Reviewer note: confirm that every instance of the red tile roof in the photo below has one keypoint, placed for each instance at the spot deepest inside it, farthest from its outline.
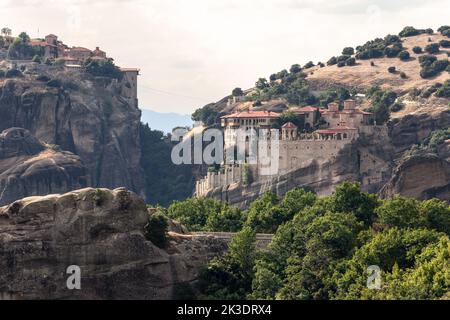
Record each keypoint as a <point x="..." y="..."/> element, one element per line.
<point x="253" y="114"/>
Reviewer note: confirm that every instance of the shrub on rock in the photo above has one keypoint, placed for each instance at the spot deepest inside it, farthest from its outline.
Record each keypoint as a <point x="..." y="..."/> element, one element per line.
<point x="444" y="43"/>
<point x="417" y="50"/>
<point x="348" y="51"/>
<point x="404" y="55"/>
<point x="156" y="230"/>
<point x="432" y="48"/>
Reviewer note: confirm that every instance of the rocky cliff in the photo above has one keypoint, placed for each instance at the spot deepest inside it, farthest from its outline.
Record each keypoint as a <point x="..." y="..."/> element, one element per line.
<point x="421" y="176"/>
<point x="362" y="161"/>
<point x="417" y="110"/>
<point x="80" y="114"/>
<point x="101" y="231"/>
<point x="375" y="160"/>
<point x="29" y="167"/>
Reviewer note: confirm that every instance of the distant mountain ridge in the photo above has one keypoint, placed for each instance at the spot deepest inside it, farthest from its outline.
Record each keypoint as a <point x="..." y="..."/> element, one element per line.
<point x="165" y="121"/>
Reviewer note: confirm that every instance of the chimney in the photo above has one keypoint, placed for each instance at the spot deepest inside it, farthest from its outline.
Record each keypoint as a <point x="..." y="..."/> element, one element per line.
<point x="349" y="105"/>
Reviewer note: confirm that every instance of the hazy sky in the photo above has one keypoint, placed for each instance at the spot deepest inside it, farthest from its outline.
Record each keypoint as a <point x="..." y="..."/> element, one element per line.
<point x="192" y="52"/>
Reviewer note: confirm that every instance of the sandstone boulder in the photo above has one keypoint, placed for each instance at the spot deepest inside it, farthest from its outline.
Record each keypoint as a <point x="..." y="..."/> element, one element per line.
<point x="85" y="116"/>
<point x="101" y="231"/>
<point x="27" y="167"/>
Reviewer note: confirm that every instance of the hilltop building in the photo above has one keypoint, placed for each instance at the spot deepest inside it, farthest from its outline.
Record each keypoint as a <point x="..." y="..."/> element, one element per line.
<point x="350" y="116"/>
<point x="296" y="148"/>
<point x="249" y="120"/>
<point x="129" y="87"/>
<point x="74" y="58"/>
<point x="56" y="49"/>
<point x="310" y="115"/>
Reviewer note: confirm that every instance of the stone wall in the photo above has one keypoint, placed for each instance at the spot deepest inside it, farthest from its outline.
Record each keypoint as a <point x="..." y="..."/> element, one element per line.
<point x="321" y="165"/>
<point x="293" y="154"/>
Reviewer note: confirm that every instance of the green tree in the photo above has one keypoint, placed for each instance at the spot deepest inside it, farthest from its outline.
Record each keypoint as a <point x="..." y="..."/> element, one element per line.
<point x="103" y="68"/>
<point x="437" y="214"/>
<point x="296" y="200"/>
<point x="266" y="283"/>
<point x="400" y="212"/>
<point x="382" y="100"/>
<point x="295" y="68"/>
<point x="262" y="84"/>
<point x="265" y="214"/>
<point x="350" y="62"/>
<point x="156" y="230"/>
<point x="432" y="48"/>
<point x="308" y="65"/>
<point x="349" y="198"/>
<point x="230" y="277"/>
<point x="208" y="115"/>
<point x="409" y="32"/>
<point x="24" y="37"/>
<point x="349" y="51"/>
<point x="332" y="61"/>
<point x="298" y="93"/>
<point x="393" y="250"/>
<point x="237" y="92"/>
<point x="289" y="116"/>
<point x="417" y="50"/>
<point x="444" y="43"/>
<point x="21" y="49"/>
<point x="194" y="212"/>
<point x="228" y="219"/>
<point x="404" y="55"/>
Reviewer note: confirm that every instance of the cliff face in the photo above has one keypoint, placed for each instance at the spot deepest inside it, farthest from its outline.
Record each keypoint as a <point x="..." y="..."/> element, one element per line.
<point x="101" y="231"/>
<point x="361" y="161"/>
<point x="422" y="176"/>
<point x="411" y="129"/>
<point x="29" y="167"/>
<point x="85" y="116"/>
<point x="375" y="160"/>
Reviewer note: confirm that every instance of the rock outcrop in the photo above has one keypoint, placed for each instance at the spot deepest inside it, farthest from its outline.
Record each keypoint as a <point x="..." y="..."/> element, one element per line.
<point x="83" y="115"/>
<point x="421" y="176"/>
<point x="27" y="167"/>
<point x="414" y="128"/>
<point x="101" y="231"/>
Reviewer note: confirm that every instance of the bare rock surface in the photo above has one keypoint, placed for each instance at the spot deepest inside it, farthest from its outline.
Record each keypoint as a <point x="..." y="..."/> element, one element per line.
<point x="101" y="231"/>
<point x="421" y="176"/>
<point x="27" y="167"/>
<point x="86" y="116"/>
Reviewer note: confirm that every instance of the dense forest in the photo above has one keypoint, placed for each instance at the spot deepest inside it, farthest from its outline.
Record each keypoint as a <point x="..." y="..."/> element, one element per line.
<point x="323" y="246"/>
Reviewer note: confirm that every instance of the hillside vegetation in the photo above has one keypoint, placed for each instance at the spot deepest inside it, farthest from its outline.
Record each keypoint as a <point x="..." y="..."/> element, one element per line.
<point x="323" y="247"/>
<point x="414" y="64"/>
